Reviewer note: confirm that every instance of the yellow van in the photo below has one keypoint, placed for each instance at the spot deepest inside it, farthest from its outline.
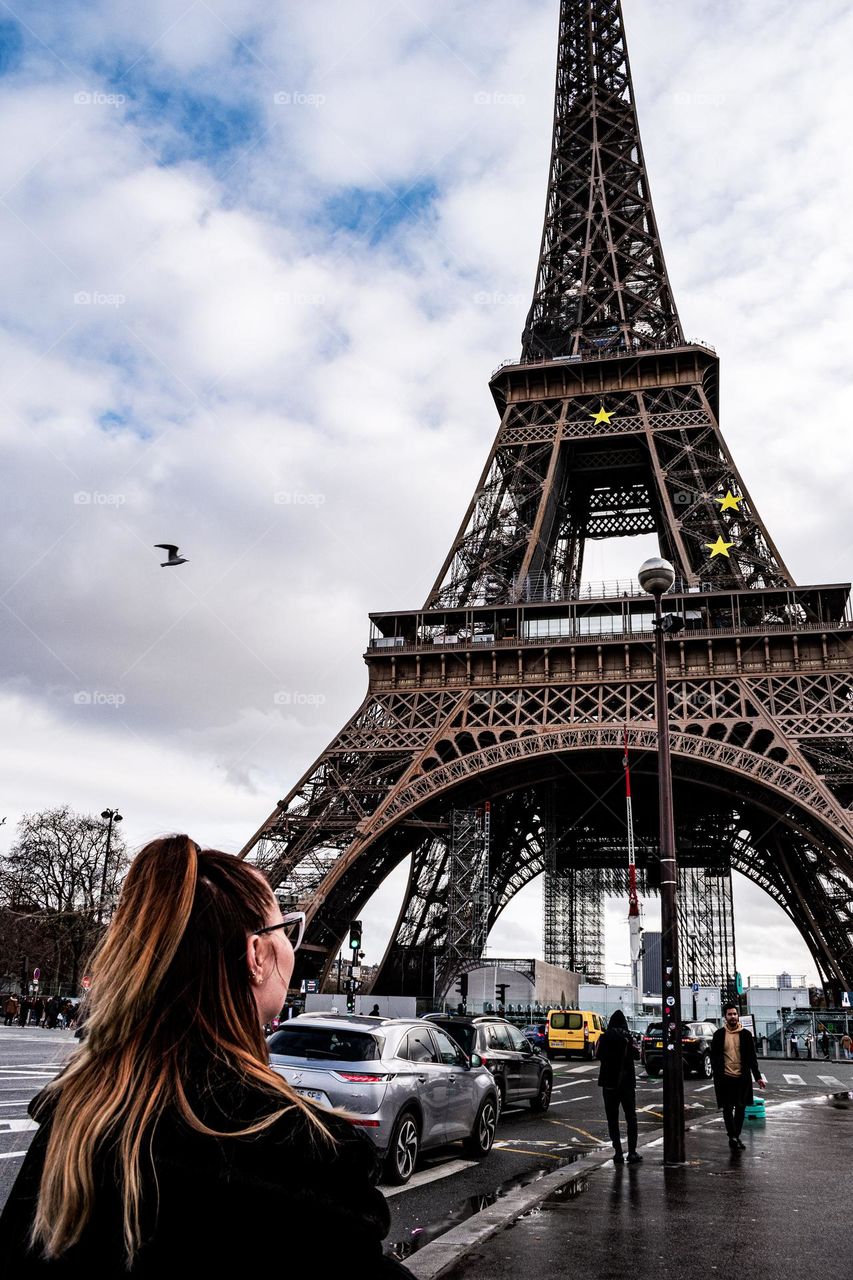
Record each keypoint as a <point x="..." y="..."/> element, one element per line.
<point x="573" y="1031"/>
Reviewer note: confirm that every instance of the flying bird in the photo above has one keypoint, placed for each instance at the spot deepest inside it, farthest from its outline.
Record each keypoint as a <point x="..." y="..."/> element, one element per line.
<point x="174" y="558"/>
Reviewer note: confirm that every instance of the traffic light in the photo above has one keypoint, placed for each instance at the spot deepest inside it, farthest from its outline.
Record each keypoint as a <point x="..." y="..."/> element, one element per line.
<point x="351" y="1002"/>
<point x="355" y="936"/>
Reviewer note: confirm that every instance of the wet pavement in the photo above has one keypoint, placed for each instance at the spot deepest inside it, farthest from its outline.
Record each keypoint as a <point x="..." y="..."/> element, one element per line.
<point x="768" y="1211"/>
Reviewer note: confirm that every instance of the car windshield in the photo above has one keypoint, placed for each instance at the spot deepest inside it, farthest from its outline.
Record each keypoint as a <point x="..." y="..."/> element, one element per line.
<point x="462" y="1032"/>
<point x="337" y="1044"/>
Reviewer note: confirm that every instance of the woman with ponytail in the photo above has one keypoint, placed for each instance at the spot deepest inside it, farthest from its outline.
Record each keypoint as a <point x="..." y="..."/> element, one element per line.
<point x="168" y="1141"/>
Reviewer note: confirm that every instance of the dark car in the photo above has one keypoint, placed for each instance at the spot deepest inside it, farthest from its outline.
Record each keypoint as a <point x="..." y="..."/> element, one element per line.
<point x="537" y="1034"/>
<point x="522" y="1072"/>
<point x="695" y="1048"/>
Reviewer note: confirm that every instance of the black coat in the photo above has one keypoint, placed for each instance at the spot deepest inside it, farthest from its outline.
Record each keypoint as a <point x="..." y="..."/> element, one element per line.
<point x="279" y="1200"/>
<point x="616" y="1053"/>
<point x="749" y="1068"/>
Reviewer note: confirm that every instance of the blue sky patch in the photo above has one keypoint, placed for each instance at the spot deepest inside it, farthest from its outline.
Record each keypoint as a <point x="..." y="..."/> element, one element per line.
<point x="11" y="46"/>
<point x="376" y="214"/>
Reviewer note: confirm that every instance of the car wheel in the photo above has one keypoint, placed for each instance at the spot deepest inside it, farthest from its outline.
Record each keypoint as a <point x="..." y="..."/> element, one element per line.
<point x="403" y="1150"/>
<point x="483" y="1134"/>
<point x="542" y="1101"/>
<point x="706" y="1069"/>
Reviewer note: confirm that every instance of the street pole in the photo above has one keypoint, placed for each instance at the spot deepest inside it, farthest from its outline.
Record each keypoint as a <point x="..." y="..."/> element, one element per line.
<point x="112" y="815"/>
<point x="657" y="576"/>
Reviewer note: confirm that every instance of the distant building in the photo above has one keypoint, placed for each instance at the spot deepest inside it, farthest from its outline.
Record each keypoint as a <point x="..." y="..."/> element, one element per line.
<point x="783" y="980"/>
<point x="652" y="967"/>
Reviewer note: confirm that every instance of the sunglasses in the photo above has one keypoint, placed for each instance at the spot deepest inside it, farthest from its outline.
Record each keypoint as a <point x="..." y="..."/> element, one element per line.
<point x="293" y="925"/>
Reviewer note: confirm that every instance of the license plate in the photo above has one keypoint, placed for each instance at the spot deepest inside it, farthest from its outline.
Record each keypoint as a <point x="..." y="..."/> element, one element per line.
<point x="315" y="1094"/>
<point x="658" y="1045"/>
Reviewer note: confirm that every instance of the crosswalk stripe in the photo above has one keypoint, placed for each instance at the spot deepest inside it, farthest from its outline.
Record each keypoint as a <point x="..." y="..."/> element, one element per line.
<point x="429" y="1175"/>
<point x="793" y="1079"/>
<point x="831" y="1080"/>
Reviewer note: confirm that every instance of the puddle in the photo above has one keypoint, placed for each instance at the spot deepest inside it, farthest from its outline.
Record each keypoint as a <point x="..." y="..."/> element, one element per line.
<point x="472" y="1205"/>
<point x="841" y="1100"/>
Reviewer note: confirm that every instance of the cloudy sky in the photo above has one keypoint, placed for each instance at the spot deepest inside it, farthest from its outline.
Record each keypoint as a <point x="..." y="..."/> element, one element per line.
<point x="258" y="263"/>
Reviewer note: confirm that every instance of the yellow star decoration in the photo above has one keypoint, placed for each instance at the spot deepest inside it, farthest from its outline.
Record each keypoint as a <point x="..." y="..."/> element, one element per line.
<point x="729" y="502"/>
<point x="719" y="548"/>
<point x="602" y="416"/>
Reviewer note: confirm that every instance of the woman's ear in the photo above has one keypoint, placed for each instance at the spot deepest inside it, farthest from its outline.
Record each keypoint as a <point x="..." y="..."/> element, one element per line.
<point x="253" y="958"/>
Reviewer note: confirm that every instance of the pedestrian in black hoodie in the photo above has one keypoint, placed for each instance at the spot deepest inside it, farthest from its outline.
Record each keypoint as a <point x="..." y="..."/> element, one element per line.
<point x="616" y="1078"/>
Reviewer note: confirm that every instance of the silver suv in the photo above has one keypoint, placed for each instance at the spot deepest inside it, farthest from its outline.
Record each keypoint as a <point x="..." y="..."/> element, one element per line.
<point x="408" y="1084"/>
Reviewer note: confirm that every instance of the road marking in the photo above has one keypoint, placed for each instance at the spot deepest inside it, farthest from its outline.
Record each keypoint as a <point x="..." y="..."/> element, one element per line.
<point x="575" y="1129"/>
<point x="540" y="1155"/>
<point x="564" y="1102"/>
<point x="17" y="1126"/>
<point x="703" y="1087"/>
<point x="11" y="1155"/>
<point x="831" y="1080"/>
<point x="430" y="1175"/>
<point x="531" y="1142"/>
<point x="15" y="1102"/>
<point x="792" y="1079"/>
<point x="592" y="1066"/>
<point x="651" y="1111"/>
<point x="571" y="1085"/>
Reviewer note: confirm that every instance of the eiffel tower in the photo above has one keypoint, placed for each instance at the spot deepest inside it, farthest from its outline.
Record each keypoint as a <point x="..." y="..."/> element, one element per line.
<point x="515" y="689"/>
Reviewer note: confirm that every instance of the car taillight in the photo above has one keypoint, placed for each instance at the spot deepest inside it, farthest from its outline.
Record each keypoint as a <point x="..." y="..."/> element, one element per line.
<point x="361" y="1077"/>
<point x="365" y="1124"/>
<point x="689" y="1040"/>
<point x="647" y="1039"/>
<point x="484" y="1062"/>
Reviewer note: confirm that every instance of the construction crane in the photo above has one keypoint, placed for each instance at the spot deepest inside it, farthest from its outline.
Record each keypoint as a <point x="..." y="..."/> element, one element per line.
<point x="635" y="915"/>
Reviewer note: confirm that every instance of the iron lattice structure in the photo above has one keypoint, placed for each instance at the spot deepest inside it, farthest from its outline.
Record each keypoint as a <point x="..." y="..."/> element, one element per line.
<point x="516" y="685"/>
<point x="468" y="887"/>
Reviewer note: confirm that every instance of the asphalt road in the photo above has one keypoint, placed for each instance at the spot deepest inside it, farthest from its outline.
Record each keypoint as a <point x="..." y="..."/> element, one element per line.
<point x="446" y="1187"/>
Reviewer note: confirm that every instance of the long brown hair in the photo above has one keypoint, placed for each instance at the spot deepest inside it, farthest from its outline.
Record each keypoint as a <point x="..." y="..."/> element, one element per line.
<point x="170" y="989"/>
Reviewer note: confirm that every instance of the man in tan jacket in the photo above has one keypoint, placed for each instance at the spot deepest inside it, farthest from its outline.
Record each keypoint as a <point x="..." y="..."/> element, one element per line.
<point x="735" y="1066"/>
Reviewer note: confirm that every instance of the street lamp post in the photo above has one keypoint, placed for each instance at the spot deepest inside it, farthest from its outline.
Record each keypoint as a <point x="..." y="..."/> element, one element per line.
<point x="110" y="816"/>
<point x="657" y="576"/>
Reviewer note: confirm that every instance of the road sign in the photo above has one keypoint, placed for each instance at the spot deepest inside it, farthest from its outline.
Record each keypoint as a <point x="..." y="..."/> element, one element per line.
<point x="36" y="974"/>
<point x="739" y="984"/>
<point x="86" y="982"/>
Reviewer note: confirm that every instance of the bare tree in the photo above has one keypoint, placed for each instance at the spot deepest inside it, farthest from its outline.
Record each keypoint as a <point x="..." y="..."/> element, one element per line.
<point x="50" y="893"/>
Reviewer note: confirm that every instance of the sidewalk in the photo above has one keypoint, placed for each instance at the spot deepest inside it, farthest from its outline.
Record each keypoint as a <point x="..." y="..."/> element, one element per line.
<point x="767" y="1211"/>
